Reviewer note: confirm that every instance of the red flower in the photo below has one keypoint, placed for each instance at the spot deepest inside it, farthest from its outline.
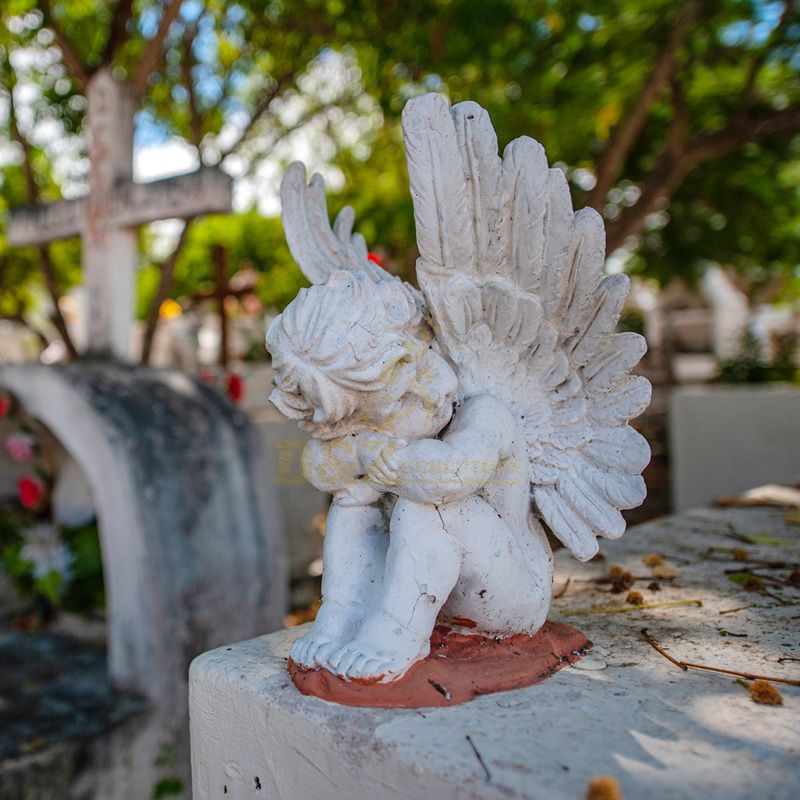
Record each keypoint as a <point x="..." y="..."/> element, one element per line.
<point x="376" y="259"/>
<point x="5" y="404"/>
<point x="30" y="491"/>
<point x="235" y="386"/>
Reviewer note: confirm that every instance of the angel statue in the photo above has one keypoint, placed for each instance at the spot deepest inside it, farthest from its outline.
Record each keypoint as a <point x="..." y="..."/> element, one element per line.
<point x="455" y="425"/>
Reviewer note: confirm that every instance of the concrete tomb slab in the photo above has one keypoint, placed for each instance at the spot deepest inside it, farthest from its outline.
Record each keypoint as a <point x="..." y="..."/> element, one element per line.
<point x="623" y="710"/>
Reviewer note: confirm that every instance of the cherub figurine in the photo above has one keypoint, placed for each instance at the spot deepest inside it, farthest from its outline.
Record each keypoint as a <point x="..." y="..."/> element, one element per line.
<point x="455" y="425"/>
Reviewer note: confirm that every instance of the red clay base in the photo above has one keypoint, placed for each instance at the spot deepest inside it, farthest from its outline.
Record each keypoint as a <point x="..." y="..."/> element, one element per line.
<point x="458" y="669"/>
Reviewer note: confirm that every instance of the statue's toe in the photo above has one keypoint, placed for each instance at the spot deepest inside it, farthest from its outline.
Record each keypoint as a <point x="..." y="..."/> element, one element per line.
<point x="322" y="654"/>
<point x="300" y="651"/>
<point x="348" y="659"/>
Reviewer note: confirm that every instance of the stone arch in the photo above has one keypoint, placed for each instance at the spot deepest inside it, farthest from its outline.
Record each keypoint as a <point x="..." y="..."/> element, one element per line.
<point x="191" y="536"/>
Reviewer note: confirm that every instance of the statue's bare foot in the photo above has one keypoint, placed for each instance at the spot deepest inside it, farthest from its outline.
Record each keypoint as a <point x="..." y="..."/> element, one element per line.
<point x="382" y="651"/>
<point x="336" y="623"/>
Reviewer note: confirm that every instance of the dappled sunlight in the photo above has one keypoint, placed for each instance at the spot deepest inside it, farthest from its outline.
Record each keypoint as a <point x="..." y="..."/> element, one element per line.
<point x="735" y="716"/>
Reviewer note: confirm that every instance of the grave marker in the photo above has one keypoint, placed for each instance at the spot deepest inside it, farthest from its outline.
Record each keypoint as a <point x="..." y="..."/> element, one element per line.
<point x="107" y="219"/>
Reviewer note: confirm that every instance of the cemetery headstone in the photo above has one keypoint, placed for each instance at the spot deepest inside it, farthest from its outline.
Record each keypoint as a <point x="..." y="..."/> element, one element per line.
<point x="192" y="542"/>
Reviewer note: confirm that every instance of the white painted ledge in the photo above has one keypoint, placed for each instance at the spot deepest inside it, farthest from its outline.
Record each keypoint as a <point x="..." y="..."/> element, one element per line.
<point x="663" y="733"/>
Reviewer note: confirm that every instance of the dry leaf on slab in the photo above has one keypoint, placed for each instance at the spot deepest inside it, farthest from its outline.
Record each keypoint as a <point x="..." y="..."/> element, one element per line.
<point x="664" y="571"/>
<point x="770" y="495"/>
<point x="604" y="787"/>
<point x="765" y="693"/>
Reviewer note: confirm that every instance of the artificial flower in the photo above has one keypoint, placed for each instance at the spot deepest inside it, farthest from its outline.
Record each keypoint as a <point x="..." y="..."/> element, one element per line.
<point x="235" y="386"/>
<point x="47" y="552"/>
<point x="31" y="491"/>
<point x="21" y="446"/>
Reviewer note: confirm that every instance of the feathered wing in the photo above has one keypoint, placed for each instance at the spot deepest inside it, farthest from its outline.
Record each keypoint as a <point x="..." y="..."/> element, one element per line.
<point x="318" y="249"/>
<point x="513" y="281"/>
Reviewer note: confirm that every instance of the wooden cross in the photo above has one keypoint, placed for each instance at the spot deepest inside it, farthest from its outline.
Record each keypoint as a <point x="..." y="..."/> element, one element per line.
<point x="238" y="286"/>
<point x="108" y="217"/>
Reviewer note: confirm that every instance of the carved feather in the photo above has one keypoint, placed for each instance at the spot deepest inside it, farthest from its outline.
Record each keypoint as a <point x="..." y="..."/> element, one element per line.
<point x="525" y="181"/>
<point x="318" y="250"/>
<point x="558" y="235"/>
<point x="483" y="172"/>
<point x="436" y="176"/>
<point x="569" y="527"/>
<point x="513" y="280"/>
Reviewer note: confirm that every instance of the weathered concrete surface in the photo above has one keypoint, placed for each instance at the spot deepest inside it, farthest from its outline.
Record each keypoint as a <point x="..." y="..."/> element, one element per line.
<point x="623" y="710"/>
<point x="53" y="689"/>
<point x="55" y="698"/>
<point x="192" y="541"/>
<point x="727" y="439"/>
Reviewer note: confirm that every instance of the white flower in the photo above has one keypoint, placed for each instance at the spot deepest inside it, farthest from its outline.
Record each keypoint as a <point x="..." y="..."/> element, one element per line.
<point x="45" y="550"/>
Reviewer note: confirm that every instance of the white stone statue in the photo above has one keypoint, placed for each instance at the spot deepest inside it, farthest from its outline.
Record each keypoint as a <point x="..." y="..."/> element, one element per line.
<point x="455" y="425"/>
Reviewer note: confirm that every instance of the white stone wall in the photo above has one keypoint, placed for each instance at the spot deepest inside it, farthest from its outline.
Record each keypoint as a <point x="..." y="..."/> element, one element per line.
<point x="727" y="439"/>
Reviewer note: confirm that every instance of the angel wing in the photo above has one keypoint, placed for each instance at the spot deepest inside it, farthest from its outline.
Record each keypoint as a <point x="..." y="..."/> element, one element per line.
<point x="318" y="249"/>
<point x="513" y="281"/>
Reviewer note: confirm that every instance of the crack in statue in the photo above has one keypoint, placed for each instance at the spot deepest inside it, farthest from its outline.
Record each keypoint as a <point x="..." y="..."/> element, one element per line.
<point x="454" y="425"/>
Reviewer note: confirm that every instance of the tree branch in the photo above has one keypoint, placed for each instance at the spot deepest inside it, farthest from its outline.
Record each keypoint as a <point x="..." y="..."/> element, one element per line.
<point x="259" y="109"/>
<point x="154" y="48"/>
<point x="627" y="132"/>
<point x="116" y="36"/>
<point x="78" y="69"/>
<point x="679" y="158"/>
<point x="195" y="118"/>
<point x="282" y="132"/>
<point x="32" y="196"/>
<point x="56" y="317"/>
<point x="166" y="270"/>
<point x="748" y="92"/>
<point x="742" y="131"/>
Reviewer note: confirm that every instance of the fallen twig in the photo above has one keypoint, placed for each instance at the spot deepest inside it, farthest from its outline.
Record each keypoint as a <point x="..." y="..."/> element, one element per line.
<point x="656" y="646"/>
<point x="686" y="665"/>
<point x="780" y="599"/>
<point x="610" y="579"/>
<point x="621" y="609"/>
<point x="738" y="608"/>
<point x="479" y="757"/>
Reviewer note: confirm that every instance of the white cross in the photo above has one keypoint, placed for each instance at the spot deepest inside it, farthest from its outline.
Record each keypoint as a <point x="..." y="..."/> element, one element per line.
<point x="108" y="217"/>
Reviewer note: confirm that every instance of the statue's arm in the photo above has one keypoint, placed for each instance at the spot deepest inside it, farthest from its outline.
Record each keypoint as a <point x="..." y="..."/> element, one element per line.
<point x="333" y="467"/>
<point x="452" y="468"/>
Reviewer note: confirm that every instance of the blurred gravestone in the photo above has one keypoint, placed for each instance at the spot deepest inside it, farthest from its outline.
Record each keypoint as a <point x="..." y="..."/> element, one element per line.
<point x="191" y="537"/>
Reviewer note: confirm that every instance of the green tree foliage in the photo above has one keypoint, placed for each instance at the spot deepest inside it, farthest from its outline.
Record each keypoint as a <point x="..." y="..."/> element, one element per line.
<point x="685" y="114"/>
<point x="677" y="121"/>
<point x="253" y="242"/>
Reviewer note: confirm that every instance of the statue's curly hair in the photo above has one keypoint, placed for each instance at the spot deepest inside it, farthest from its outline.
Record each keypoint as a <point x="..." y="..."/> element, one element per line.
<point x="350" y="331"/>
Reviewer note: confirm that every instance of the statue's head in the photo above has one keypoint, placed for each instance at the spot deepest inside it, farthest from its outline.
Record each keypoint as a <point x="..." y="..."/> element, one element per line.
<point x="354" y="354"/>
